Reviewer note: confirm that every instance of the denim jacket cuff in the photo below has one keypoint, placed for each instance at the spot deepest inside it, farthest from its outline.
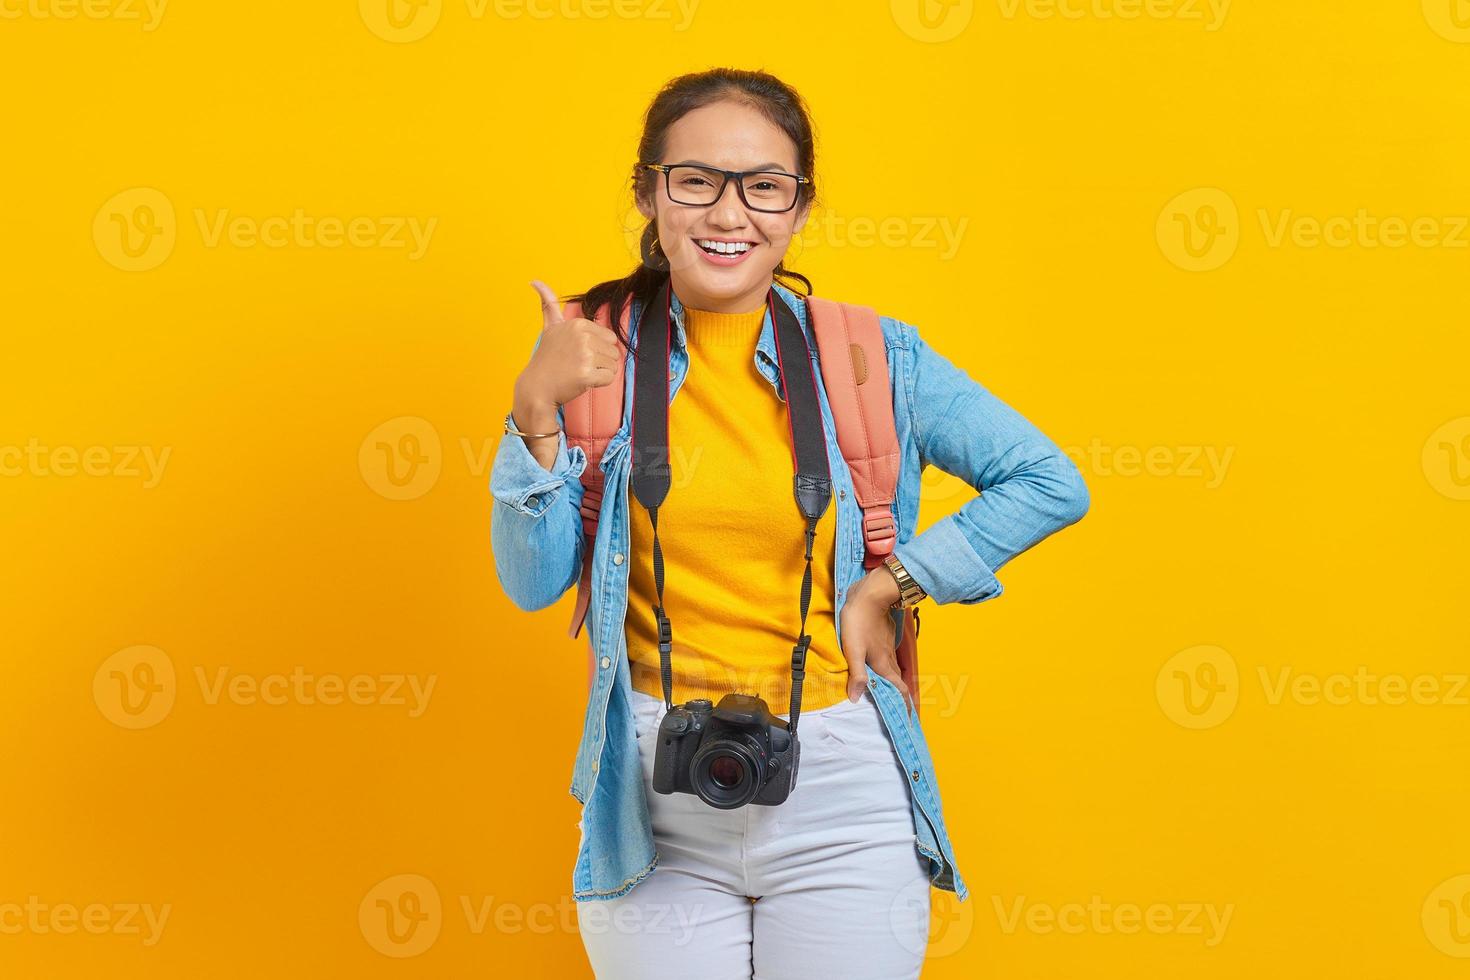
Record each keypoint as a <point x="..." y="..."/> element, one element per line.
<point x="946" y="566"/>
<point x="522" y="483"/>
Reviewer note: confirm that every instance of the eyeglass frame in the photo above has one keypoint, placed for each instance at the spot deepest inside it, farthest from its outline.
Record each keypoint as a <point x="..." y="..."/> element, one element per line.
<point x="667" y="168"/>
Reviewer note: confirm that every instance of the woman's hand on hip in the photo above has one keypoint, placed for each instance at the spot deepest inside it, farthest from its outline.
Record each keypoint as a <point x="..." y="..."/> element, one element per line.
<point x="868" y="636"/>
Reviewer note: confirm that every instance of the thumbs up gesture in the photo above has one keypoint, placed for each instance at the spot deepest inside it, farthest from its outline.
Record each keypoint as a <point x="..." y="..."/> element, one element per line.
<point x="573" y="355"/>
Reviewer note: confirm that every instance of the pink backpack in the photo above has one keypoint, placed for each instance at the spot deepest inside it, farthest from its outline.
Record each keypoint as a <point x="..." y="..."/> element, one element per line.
<point x="854" y="362"/>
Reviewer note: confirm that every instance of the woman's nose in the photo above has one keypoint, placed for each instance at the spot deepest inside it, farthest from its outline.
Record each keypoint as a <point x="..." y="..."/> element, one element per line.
<point x="729" y="210"/>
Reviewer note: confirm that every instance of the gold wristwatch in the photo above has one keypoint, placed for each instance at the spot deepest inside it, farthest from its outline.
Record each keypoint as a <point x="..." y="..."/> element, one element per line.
<point x="909" y="591"/>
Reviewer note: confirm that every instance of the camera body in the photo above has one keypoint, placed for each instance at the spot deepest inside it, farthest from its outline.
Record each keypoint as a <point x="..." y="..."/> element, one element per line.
<point x="728" y="755"/>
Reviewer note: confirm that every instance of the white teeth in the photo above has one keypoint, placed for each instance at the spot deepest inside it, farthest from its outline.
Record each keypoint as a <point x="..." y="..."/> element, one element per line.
<point x="725" y="248"/>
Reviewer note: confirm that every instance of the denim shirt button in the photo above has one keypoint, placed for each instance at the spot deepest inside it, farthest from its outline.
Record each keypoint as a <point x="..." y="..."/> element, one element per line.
<point x="842" y="494"/>
<point x="915" y="774"/>
<point x="606" y="662"/>
<point x="618" y="558"/>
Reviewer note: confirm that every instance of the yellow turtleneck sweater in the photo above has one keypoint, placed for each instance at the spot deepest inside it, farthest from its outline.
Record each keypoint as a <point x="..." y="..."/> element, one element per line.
<point x="733" y="540"/>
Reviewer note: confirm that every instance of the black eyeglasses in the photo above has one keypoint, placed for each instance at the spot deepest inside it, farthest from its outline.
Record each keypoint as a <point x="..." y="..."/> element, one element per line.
<point x="772" y="191"/>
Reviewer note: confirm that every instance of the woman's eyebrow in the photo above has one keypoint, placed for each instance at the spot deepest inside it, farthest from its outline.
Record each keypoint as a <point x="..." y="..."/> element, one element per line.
<point x="768" y="165"/>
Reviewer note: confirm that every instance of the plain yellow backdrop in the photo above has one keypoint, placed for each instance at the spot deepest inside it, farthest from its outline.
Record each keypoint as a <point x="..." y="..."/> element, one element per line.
<point x="266" y="711"/>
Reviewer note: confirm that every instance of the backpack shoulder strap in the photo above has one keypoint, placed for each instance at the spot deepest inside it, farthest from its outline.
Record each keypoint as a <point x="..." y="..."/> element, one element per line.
<point x="854" y="361"/>
<point x="855" y="372"/>
<point x="591" y="420"/>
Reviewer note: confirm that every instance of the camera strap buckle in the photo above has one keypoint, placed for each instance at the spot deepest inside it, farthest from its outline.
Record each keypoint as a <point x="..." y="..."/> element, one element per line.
<point x="798" y="656"/>
<point x="665" y="650"/>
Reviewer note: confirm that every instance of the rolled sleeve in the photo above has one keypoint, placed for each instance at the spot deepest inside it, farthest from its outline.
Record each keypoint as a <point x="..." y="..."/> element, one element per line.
<point x="523" y="484"/>
<point x="536" y="523"/>
<point x="1027" y="488"/>
<point x="946" y="566"/>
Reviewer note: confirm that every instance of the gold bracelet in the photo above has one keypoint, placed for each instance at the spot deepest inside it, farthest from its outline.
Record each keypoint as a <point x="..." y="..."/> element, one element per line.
<point x="510" y="427"/>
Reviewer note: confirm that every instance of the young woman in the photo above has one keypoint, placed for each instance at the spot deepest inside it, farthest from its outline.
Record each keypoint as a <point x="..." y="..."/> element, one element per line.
<point x="835" y="877"/>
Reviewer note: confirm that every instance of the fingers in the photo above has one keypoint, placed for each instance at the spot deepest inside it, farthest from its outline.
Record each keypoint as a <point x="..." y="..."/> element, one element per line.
<point x="603" y="371"/>
<point x="881" y="663"/>
<point x="857" y="673"/>
<point x="887" y="668"/>
<point x="606" y="346"/>
<point x="550" y="305"/>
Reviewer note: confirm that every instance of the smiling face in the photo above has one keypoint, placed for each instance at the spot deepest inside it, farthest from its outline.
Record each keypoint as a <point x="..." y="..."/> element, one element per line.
<point x="730" y="136"/>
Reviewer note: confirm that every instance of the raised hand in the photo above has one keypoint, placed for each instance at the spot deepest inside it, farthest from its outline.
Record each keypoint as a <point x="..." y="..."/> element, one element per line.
<point x="573" y="355"/>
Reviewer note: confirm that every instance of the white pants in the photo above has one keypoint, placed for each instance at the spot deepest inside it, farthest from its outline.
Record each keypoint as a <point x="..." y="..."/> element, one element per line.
<point x="828" y="883"/>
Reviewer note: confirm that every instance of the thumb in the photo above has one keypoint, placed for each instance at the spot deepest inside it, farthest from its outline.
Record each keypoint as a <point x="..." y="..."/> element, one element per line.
<point x="857" y="680"/>
<point x="550" y="305"/>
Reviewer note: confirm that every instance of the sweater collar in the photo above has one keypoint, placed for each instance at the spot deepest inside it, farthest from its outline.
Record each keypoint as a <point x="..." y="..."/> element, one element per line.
<point x="765" y="344"/>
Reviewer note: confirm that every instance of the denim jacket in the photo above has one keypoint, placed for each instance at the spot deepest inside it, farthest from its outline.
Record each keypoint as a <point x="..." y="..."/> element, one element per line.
<point x="944" y="418"/>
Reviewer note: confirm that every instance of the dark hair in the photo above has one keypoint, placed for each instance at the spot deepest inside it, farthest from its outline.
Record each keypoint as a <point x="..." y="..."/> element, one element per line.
<point x="766" y="93"/>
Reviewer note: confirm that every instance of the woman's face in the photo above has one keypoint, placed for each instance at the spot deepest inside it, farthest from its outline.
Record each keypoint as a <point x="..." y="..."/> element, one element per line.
<point x="729" y="136"/>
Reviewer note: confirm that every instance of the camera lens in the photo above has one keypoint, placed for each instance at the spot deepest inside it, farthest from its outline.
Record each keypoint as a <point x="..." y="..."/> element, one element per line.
<point x="725" y="774"/>
<point x="726" y="771"/>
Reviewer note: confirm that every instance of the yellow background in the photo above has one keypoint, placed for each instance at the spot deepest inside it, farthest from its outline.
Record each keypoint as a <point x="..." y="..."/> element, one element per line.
<point x="1114" y="726"/>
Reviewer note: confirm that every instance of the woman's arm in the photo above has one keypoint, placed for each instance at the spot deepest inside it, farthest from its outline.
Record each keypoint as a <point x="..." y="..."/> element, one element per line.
<point x="536" y="522"/>
<point x="1029" y="487"/>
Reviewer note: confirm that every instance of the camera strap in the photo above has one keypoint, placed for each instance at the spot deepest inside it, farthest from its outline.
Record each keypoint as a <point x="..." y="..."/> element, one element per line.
<point x="650" y="472"/>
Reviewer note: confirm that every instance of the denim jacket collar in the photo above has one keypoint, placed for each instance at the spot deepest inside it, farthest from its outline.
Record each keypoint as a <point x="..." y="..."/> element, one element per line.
<point x="766" y="361"/>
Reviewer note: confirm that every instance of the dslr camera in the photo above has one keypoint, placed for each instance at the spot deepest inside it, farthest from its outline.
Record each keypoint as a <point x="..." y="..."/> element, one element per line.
<point x="728" y="755"/>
